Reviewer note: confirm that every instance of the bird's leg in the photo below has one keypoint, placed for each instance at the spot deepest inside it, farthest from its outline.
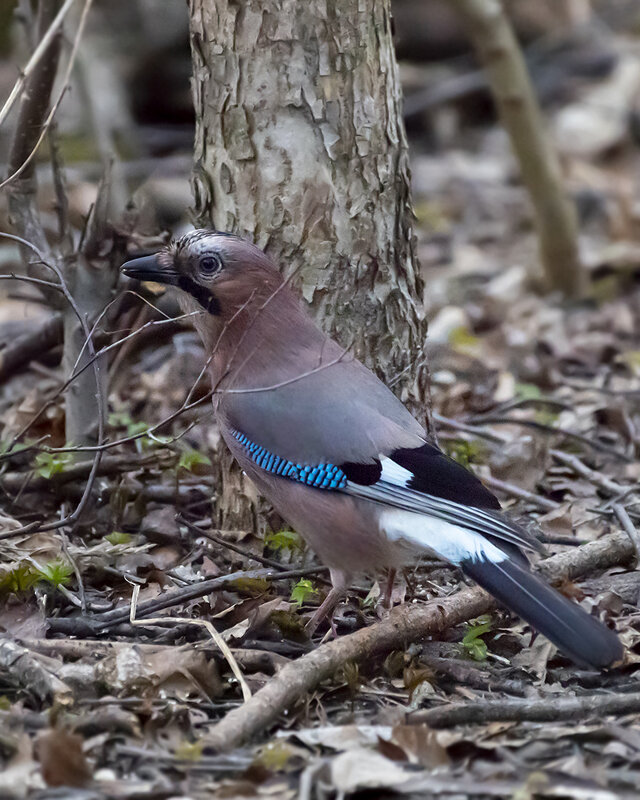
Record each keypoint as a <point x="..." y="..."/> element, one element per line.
<point x="340" y="581"/>
<point x="391" y="577"/>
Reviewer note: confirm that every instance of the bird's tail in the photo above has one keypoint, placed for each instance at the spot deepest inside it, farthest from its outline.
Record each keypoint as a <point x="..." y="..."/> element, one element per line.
<point x="582" y="637"/>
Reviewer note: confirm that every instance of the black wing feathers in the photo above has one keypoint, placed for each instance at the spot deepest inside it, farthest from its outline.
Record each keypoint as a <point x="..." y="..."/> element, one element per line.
<point x="364" y="474"/>
<point x="436" y="474"/>
<point x="438" y="487"/>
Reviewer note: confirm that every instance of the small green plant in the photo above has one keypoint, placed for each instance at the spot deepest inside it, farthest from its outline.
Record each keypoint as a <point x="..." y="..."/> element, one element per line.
<point x="20" y="578"/>
<point x="284" y="540"/>
<point x="275" y="756"/>
<point x="189" y="751"/>
<point x="118" y="537"/>
<point x="302" y="591"/>
<point x="472" y="643"/>
<point x="50" y="464"/>
<point x="461" y="339"/>
<point x="464" y="452"/>
<point x="57" y="572"/>
<point x="121" y="419"/>
<point x="527" y="391"/>
<point x="192" y="459"/>
<point x="24" y="575"/>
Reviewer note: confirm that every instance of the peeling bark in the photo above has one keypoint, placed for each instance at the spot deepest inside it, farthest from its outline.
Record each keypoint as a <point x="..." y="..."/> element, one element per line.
<point x="300" y="147"/>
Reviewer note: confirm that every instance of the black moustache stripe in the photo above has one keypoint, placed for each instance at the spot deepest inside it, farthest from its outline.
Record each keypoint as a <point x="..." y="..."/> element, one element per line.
<point x="206" y="298"/>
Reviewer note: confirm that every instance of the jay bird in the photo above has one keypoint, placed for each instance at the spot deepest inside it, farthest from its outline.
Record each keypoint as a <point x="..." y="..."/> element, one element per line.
<point x="335" y="451"/>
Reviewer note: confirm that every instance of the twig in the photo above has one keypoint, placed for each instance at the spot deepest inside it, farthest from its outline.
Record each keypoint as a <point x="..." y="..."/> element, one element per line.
<point x="551" y="709"/>
<point x="35" y="60"/>
<point x="405" y="624"/>
<point x="203" y="623"/>
<point x="578" y="466"/>
<point x="41" y="74"/>
<point x="499" y="51"/>
<point x="464" y="427"/>
<point x="50" y="116"/>
<point x="629" y="528"/>
<point x="100" y="622"/>
<point x="460" y="671"/>
<point x="89" y="362"/>
<point x="490" y="419"/>
<point x="267" y="562"/>
<point x="110" y="465"/>
<point x="521" y="494"/>
<point x="75" y="515"/>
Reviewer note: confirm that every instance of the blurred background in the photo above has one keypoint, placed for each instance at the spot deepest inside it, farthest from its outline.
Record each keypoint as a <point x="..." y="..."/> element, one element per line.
<point x="130" y="97"/>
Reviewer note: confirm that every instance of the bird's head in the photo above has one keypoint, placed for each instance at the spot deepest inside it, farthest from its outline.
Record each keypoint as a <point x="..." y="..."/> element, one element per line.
<point x="242" y="308"/>
<point x="215" y="272"/>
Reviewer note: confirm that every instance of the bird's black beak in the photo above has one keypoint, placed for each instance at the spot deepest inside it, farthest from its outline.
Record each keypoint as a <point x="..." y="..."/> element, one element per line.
<point x="149" y="268"/>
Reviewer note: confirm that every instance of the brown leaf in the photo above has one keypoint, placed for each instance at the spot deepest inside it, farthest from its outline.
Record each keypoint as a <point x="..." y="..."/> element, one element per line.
<point x="420" y="745"/>
<point x="62" y="759"/>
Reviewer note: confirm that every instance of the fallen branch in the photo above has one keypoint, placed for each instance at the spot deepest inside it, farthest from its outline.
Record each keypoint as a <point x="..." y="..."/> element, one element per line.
<point x="403" y="625"/>
<point x="91" y="625"/>
<point x="550" y="709"/>
<point x="17" y="354"/>
<point x="109" y="465"/>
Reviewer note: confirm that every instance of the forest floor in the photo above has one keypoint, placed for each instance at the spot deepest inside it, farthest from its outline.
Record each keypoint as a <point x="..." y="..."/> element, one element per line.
<point x="111" y="686"/>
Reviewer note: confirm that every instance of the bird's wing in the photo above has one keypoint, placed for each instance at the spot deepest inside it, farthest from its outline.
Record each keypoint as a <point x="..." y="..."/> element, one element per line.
<point x="342" y="417"/>
<point x="341" y="412"/>
<point x="425" y="481"/>
<point x="418" y="479"/>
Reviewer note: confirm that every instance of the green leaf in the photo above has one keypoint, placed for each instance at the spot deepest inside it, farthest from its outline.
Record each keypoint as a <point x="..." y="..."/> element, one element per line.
<point x="275" y="756"/>
<point x="303" y="590"/>
<point x="191" y="459"/>
<point x="464" y="452"/>
<point x="117" y="537"/>
<point x="189" y="751"/>
<point x="462" y="340"/>
<point x="20" y="578"/>
<point x="50" y="464"/>
<point x="472" y="644"/>
<point x="284" y="540"/>
<point x="121" y="419"/>
<point x="527" y="391"/>
<point x="57" y="572"/>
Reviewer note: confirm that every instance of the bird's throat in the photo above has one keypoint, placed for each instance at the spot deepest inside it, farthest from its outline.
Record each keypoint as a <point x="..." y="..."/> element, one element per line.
<point x="203" y="296"/>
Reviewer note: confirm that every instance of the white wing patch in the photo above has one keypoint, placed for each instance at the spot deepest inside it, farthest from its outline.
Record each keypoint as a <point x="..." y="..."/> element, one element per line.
<point x="433" y="535"/>
<point x="394" y="473"/>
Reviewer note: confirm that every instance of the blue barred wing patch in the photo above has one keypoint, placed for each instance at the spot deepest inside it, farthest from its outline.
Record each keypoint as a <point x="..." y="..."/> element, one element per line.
<point x="320" y="476"/>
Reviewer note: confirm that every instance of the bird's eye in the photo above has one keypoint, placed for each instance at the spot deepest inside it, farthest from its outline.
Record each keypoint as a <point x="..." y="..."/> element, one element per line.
<point x="209" y="265"/>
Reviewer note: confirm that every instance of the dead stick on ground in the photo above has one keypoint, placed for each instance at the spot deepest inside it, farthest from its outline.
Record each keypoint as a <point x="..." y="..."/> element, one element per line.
<point x="549" y="709"/>
<point x="406" y="624"/>
<point x="203" y="623"/>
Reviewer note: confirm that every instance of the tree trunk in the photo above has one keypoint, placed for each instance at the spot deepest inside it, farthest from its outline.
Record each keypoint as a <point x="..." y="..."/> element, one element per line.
<point x="300" y="147"/>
